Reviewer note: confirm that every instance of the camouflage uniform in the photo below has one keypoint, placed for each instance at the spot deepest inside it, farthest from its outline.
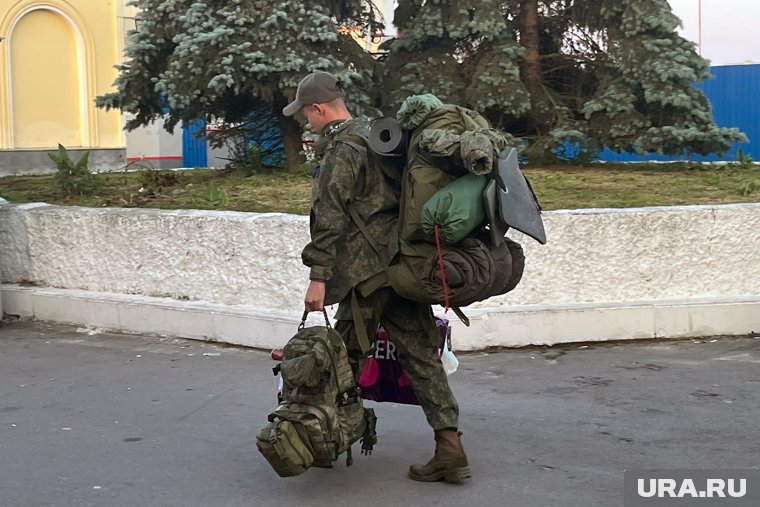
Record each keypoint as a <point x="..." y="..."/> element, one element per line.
<point x="338" y="252"/>
<point x="340" y="255"/>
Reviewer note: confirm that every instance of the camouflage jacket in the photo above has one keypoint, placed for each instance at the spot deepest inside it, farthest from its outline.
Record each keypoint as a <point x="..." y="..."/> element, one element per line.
<point x="345" y="180"/>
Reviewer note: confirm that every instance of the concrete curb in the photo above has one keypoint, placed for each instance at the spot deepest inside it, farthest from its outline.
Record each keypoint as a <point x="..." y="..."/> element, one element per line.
<point x="150" y="315"/>
<point x="513" y="326"/>
<point x="519" y="326"/>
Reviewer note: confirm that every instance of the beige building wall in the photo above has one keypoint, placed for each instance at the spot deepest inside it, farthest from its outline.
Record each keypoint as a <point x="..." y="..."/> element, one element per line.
<point x="56" y="57"/>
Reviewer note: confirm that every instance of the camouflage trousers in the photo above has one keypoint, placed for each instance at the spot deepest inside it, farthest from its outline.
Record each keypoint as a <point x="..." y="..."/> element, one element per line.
<point x="412" y="328"/>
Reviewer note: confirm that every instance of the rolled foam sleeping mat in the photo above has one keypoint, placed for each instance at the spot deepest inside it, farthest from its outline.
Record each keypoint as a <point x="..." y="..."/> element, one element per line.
<point x="386" y="137"/>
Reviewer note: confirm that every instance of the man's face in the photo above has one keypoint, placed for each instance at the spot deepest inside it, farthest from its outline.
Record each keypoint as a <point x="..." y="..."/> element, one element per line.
<point x="315" y="116"/>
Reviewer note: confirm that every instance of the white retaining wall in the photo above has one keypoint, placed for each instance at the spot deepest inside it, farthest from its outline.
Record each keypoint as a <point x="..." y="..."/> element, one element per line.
<point x="237" y="277"/>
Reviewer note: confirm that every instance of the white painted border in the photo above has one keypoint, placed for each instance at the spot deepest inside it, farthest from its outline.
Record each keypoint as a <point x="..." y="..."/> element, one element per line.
<point x="513" y="327"/>
<point x="198" y="320"/>
<point x="660" y="272"/>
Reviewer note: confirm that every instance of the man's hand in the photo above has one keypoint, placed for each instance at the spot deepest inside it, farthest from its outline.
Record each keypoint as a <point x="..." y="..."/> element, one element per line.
<point x="315" y="296"/>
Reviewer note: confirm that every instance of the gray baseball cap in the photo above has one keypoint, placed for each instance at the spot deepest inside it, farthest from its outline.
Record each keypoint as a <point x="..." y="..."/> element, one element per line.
<point x="316" y="88"/>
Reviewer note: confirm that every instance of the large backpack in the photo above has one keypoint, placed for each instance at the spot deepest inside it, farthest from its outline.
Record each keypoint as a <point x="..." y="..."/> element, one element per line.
<point x="480" y="265"/>
<point x="320" y="414"/>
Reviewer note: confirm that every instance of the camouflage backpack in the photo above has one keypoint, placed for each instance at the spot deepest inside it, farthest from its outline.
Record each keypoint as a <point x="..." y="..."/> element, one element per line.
<point x="320" y="414"/>
<point x="477" y="265"/>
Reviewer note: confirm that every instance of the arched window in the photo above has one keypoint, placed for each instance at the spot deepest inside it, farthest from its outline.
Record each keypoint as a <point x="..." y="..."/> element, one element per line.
<point x="47" y="87"/>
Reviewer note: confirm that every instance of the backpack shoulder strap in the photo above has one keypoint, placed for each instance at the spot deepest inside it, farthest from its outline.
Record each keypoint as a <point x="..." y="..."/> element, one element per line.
<point x="359" y="221"/>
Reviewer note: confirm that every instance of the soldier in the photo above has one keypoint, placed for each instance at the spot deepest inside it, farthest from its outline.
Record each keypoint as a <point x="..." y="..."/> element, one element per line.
<point x="345" y="267"/>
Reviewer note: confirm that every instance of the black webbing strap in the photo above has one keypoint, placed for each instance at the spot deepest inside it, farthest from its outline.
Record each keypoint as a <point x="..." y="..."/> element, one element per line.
<point x="459" y="313"/>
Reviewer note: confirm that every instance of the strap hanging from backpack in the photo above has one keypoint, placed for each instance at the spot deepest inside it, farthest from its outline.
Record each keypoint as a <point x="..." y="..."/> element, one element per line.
<point x="443" y="271"/>
<point x="359" y="325"/>
<point x="459" y="313"/>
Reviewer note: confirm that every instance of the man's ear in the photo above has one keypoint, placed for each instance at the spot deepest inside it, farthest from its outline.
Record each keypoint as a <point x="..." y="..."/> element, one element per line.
<point x="319" y="109"/>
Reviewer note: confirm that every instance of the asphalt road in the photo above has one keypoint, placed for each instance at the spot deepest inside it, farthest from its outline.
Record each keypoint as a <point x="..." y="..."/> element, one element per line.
<point x="123" y="421"/>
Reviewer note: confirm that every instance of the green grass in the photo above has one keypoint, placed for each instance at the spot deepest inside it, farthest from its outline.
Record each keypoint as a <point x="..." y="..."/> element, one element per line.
<point x="276" y="191"/>
<point x="557" y="187"/>
<point x="635" y="185"/>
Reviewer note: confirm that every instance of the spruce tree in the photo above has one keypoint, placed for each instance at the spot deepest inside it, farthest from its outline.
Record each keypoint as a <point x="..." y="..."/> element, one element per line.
<point x="597" y="72"/>
<point x="645" y="100"/>
<point x="463" y="52"/>
<point x="218" y="59"/>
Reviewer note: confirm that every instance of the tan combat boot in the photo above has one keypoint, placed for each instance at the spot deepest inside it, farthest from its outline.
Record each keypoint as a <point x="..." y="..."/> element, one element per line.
<point x="449" y="462"/>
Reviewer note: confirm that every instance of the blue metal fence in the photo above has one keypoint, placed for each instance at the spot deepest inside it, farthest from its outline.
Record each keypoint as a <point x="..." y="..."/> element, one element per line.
<point x="194" y="150"/>
<point x="735" y="97"/>
<point x="734" y="94"/>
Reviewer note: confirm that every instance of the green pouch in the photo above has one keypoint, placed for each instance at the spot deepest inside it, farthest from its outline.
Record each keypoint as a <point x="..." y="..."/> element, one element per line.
<point x="284" y="449"/>
<point x="457" y="209"/>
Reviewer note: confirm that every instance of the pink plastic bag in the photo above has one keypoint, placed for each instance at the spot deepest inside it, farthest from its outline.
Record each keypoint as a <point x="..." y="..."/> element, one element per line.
<point x="383" y="378"/>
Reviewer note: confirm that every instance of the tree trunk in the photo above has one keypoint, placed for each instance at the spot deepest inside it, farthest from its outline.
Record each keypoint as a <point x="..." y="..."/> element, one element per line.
<point x="530" y="67"/>
<point x="291" y="140"/>
<point x="290" y="136"/>
<point x="541" y="113"/>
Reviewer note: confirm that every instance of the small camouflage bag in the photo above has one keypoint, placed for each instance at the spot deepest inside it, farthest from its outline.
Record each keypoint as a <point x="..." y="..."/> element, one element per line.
<point x="284" y="448"/>
<point x="320" y="405"/>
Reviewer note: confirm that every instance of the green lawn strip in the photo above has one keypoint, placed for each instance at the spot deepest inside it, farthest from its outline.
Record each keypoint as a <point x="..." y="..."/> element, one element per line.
<point x="557" y="187"/>
<point x="614" y="187"/>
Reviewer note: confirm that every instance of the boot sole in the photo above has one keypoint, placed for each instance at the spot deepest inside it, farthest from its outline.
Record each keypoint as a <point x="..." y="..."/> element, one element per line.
<point x="456" y="476"/>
